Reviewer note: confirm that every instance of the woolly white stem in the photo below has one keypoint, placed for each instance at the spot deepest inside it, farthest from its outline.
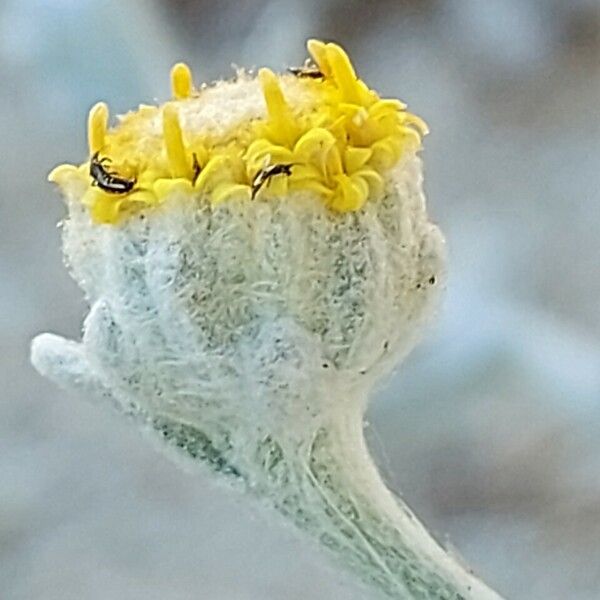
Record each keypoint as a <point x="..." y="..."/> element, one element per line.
<point x="318" y="475"/>
<point x="327" y="485"/>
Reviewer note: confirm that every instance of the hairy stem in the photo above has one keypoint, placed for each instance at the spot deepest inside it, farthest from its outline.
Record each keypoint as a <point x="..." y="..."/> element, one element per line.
<point x="331" y="490"/>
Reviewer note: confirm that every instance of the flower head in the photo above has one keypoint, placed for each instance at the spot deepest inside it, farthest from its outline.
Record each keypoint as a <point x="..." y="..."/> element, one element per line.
<point x="337" y="135"/>
<point x="256" y="255"/>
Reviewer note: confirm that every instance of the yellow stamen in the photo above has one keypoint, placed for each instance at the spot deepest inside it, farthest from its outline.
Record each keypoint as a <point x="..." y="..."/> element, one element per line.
<point x="178" y="161"/>
<point x="97" y="126"/>
<point x="181" y="81"/>
<point x="318" y="52"/>
<point x="343" y="73"/>
<point x="282" y="128"/>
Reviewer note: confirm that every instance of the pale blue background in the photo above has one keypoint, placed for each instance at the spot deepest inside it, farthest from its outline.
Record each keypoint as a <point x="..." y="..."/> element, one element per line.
<point x="491" y="430"/>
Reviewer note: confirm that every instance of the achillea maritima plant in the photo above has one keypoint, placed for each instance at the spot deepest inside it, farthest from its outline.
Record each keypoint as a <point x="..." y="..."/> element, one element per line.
<point x="256" y="255"/>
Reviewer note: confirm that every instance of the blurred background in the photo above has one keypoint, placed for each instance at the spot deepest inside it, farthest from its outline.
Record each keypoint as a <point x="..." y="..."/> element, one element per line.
<point x="490" y="431"/>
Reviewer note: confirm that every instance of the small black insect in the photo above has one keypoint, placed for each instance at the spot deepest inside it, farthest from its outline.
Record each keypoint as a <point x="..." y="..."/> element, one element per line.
<point x="265" y="174"/>
<point x="309" y="72"/>
<point x="107" y="180"/>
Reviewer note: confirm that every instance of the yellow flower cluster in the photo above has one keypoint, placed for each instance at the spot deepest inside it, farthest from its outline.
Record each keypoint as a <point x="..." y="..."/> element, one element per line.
<point x="339" y="149"/>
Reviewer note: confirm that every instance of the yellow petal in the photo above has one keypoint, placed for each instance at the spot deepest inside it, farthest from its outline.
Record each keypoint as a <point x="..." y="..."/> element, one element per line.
<point x="333" y="162"/>
<point x="318" y="52"/>
<point x="385" y="154"/>
<point x="385" y="107"/>
<point x="374" y="181"/>
<point x="409" y="138"/>
<point x="181" y="81"/>
<point x="165" y="187"/>
<point x="226" y="191"/>
<point x="62" y="173"/>
<point x="282" y="126"/>
<point x="338" y="129"/>
<point x="262" y="153"/>
<point x="355" y="158"/>
<point x="179" y="164"/>
<point x="145" y="197"/>
<point x="350" y="195"/>
<point x="310" y="185"/>
<point x="343" y="73"/>
<point x="315" y="141"/>
<point x="419" y="124"/>
<point x="301" y="172"/>
<point x="104" y="208"/>
<point x="149" y="176"/>
<point x="361" y="186"/>
<point x="97" y="126"/>
<point x="349" y="109"/>
<point x="216" y="171"/>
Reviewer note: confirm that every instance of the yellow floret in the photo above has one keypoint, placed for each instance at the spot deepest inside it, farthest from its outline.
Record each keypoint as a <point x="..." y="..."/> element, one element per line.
<point x="97" y="125"/>
<point x="280" y="125"/>
<point x="181" y="81"/>
<point x="179" y="164"/>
